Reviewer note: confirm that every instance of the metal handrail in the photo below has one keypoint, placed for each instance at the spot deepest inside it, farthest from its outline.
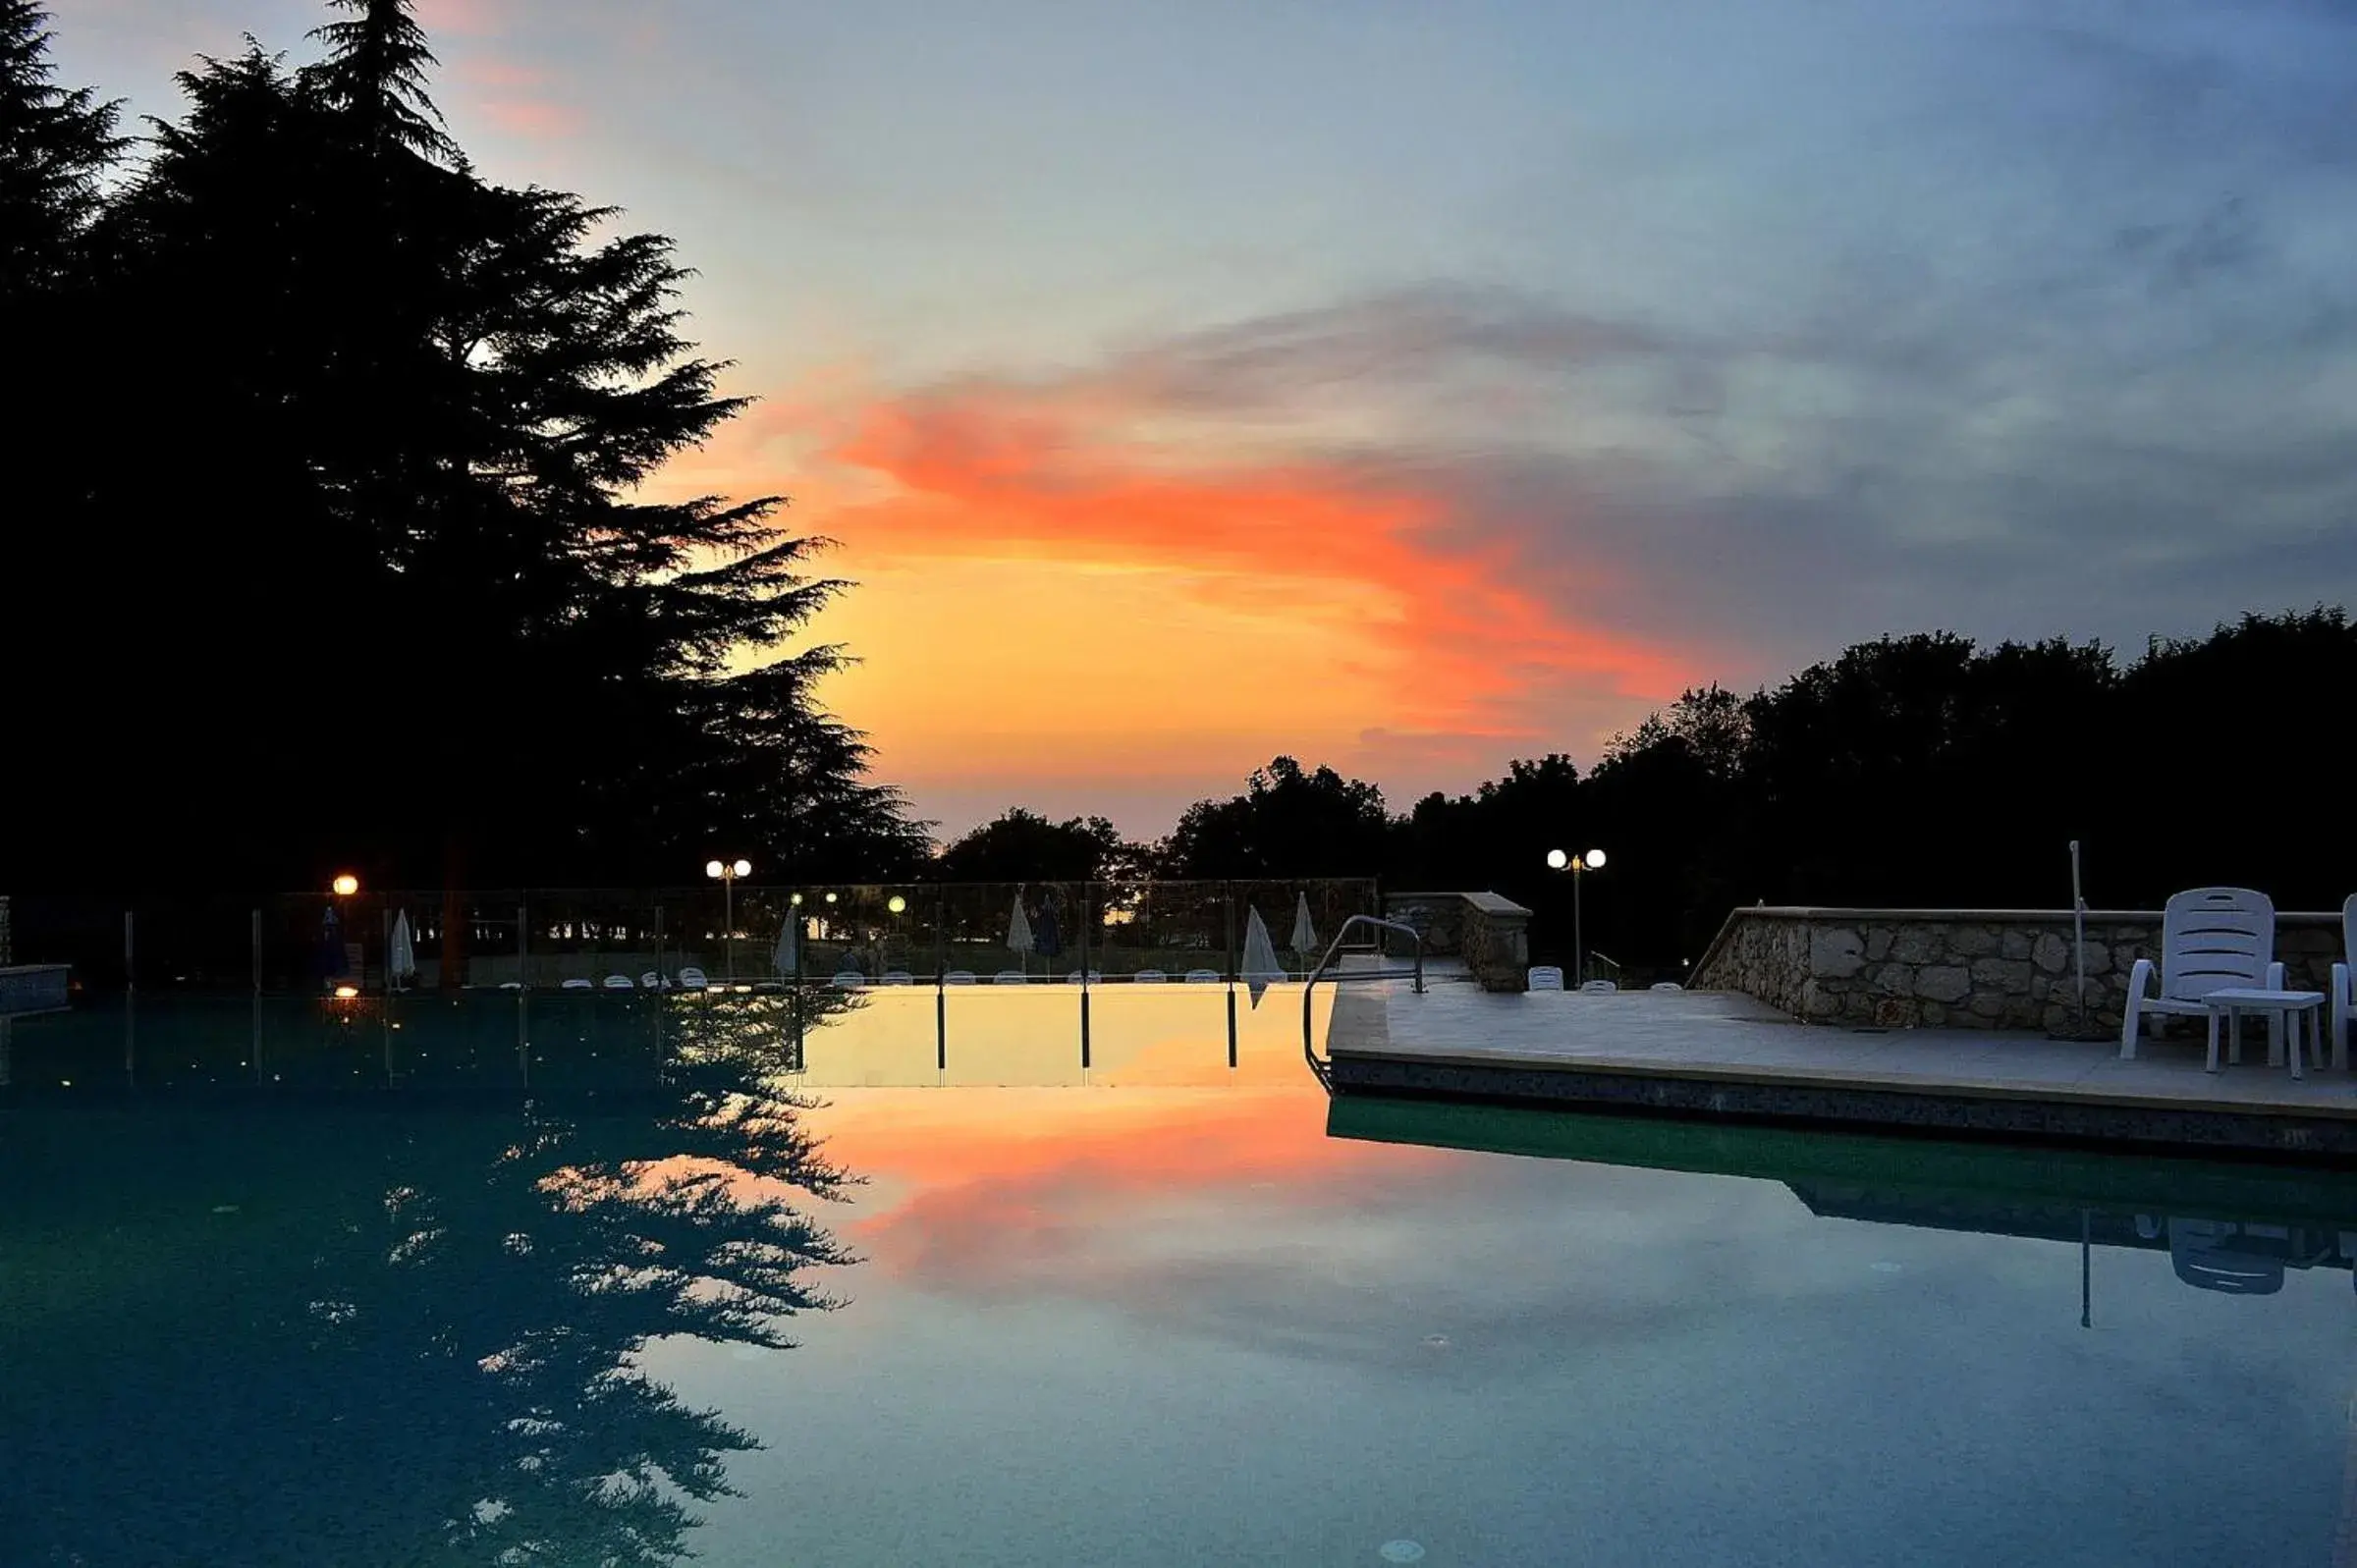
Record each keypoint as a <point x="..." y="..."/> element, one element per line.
<point x="1309" y="1053"/>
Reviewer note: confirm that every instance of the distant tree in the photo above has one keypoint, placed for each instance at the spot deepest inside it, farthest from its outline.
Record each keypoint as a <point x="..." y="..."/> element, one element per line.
<point x="1288" y="822"/>
<point x="1021" y="846"/>
<point x="2180" y="803"/>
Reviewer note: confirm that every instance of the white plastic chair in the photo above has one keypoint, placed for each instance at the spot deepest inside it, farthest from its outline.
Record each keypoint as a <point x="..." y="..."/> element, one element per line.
<point x="847" y="980"/>
<point x="1665" y="985"/>
<point x="1202" y="977"/>
<point x="2345" y="998"/>
<point x="959" y="977"/>
<point x="1148" y="977"/>
<point x="621" y="983"/>
<point x="2204" y="1254"/>
<point x="1546" y="977"/>
<point x="694" y="978"/>
<point x="898" y="977"/>
<point x="1010" y="976"/>
<point x="1094" y="977"/>
<point x="577" y="984"/>
<point x="1599" y="988"/>
<point x="2212" y="939"/>
<point x="650" y="981"/>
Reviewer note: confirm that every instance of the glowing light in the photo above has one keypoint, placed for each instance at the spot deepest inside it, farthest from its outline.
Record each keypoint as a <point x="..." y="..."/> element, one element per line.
<point x="347" y="992"/>
<point x="830" y="898"/>
<point x="743" y="868"/>
<point x="795" y="900"/>
<point x="1595" y="861"/>
<point x="1556" y="859"/>
<point x="897" y="904"/>
<point x="346" y="884"/>
<point x="713" y="869"/>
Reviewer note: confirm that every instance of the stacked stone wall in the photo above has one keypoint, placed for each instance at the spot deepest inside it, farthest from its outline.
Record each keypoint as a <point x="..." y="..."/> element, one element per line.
<point x="1962" y="969"/>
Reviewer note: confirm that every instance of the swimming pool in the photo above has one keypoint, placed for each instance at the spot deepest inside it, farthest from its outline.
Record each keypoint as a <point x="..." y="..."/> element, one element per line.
<point x="1159" y="1311"/>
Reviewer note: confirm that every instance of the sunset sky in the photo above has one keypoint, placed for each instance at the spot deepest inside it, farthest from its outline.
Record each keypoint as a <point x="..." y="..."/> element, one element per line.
<point x="1412" y="387"/>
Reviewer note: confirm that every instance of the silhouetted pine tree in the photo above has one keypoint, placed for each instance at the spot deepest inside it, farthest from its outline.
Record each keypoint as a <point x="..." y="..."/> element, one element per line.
<point x="384" y="530"/>
<point x="56" y="144"/>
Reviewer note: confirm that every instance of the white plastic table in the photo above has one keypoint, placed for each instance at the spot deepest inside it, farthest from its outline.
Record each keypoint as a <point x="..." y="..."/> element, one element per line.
<point x="2285" y="1007"/>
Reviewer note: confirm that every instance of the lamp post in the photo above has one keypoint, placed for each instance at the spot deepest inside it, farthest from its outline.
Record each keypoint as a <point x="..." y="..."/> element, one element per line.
<point x="726" y="872"/>
<point x="1578" y="866"/>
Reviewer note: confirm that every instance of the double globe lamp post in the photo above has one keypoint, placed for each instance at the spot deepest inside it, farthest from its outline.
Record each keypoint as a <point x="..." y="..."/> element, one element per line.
<point x="726" y="872"/>
<point x="1578" y="866"/>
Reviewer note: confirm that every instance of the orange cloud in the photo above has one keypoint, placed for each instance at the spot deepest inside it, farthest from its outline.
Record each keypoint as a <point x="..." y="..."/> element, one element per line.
<point x="973" y="1187"/>
<point x="978" y="473"/>
<point x="1161" y="572"/>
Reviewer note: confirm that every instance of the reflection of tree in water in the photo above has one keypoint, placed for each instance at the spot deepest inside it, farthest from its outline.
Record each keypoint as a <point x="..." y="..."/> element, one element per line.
<point x="415" y="1339"/>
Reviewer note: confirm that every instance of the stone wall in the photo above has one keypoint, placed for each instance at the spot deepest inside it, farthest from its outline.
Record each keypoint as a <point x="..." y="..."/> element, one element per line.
<point x="1491" y="934"/>
<point x="1961" y="968"/>
<point x="34" y="987"/>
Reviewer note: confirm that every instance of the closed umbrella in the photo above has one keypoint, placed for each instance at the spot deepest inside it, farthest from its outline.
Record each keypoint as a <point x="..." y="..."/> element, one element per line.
<point x="1019" y="934"/>
<point x="1262" y="968"/>
<point x="784" y="960"/>
<point x="1305" y="935"/>
<point x="401" y="955"/>
<point x="334" y="963"/>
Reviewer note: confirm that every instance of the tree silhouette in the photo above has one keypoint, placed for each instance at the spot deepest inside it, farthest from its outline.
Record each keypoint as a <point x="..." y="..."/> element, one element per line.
<point x="1021" y="846"/>
<point x="56" y="145"/>
<point x="1289" y="822"/>
<point x="387" y="561"/>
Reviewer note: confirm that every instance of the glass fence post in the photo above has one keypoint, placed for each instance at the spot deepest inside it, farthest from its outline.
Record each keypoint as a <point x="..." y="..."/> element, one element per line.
<point x="941" y="984"/>
<point x="1080" y="918"/>
<point x="1227" y="939"/>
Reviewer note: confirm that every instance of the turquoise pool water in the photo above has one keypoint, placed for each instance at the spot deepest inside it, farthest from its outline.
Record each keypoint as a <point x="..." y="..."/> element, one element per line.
<point x="1160" y="1310"/>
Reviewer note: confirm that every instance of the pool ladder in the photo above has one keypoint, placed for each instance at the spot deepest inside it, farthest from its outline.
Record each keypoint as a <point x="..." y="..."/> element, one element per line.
<point x="1309" y="1049"/>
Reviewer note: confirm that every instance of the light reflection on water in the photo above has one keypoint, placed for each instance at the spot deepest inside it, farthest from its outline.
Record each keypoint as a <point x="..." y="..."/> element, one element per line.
<point x="1161" y="1319"/>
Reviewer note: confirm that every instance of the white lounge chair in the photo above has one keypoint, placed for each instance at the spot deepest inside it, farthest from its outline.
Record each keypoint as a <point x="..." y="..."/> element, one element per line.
<point x="1599" y="988"/>
<point x="2212" y="939"/>
<point x="1665" y="985"/>
<point x="847" y="980"/>
<point x="2344" y="979"/>
<point x="959" y="977"/>
<point x="1095" y="977"/>
<point x="1149" y="977"/>
<point x="1202" y="977"/>
<point x="1010" y="976"/>
<point x="652" y="980"/>
<point x="1546" y="977"/>
<point x="577" y="984"/>
<point x="621" y="983"/>
<point x="693" y="978"/>
<point x="898" y="977"/>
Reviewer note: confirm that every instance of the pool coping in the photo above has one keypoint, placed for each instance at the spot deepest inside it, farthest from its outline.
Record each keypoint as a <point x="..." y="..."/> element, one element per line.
<point x="1365" y="1058"/>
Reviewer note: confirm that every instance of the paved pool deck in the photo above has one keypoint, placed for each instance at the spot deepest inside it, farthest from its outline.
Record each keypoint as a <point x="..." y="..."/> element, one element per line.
<point x="1720" y="1054"/>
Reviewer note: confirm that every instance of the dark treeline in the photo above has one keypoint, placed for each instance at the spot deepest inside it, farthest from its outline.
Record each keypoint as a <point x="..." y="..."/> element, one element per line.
<point x="1910" y="770"/>
<point x="326" y="542"/>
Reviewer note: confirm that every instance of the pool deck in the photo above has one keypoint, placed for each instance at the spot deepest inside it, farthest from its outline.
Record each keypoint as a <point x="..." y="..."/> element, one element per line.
<point x="1719" y="1055"/>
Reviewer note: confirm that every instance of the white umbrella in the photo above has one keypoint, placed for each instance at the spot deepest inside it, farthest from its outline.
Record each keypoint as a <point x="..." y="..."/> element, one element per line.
<point x="1019" y="932"/>
<point x="1261" y="965"/>
<point x="400" y="956"/>
<point x="1305" y="935"/>
<point x="784" y="959"/>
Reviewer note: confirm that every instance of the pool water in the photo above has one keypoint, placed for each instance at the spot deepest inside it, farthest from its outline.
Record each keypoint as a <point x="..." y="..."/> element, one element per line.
<point x="832" y="1303"/>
